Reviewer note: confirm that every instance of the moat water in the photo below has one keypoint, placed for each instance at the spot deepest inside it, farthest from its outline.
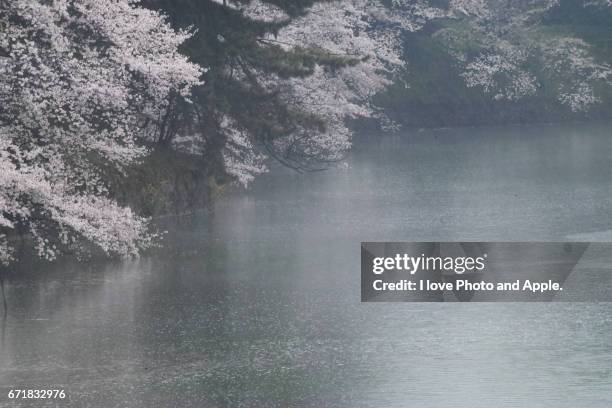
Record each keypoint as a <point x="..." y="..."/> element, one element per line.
<point x="257" y="303"/>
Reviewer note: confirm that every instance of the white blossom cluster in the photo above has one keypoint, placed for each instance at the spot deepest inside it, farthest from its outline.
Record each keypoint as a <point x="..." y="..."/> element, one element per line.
<point x="474" y="8"/>
<point x="598" y="3"/>
<point x="242" y="160"/>
<point x="340" y="29"/>
<point x="79" y="81"/>
<point x="262" y="11"/>
<point x="569" y="61"/>
<point x="502" y="73"/>
<point x="513" y="45"/>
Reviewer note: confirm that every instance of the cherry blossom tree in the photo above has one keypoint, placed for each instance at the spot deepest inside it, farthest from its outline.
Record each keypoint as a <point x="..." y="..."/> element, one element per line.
<point x="516" y="52"/>
<point x="80" y="82"/>
<point x="289" y="76"/>
<point x="355" y="62"/>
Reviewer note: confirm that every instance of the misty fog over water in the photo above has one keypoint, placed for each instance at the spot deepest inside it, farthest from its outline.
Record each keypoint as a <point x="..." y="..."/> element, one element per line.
<point x="257" y="302"/>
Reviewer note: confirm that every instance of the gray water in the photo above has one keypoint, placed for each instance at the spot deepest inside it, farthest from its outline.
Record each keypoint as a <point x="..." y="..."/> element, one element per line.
<point x="257" y="303"/>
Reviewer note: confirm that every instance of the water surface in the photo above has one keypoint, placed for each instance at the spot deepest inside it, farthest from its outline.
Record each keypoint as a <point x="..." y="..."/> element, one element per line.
<point x="257" y="303"/>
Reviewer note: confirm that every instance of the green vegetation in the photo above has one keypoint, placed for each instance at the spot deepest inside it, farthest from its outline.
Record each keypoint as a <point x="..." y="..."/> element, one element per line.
<point x="432" y="93"/>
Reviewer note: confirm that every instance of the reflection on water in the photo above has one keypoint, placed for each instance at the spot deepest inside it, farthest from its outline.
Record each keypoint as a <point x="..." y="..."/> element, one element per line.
<point x="258" y="303"/>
